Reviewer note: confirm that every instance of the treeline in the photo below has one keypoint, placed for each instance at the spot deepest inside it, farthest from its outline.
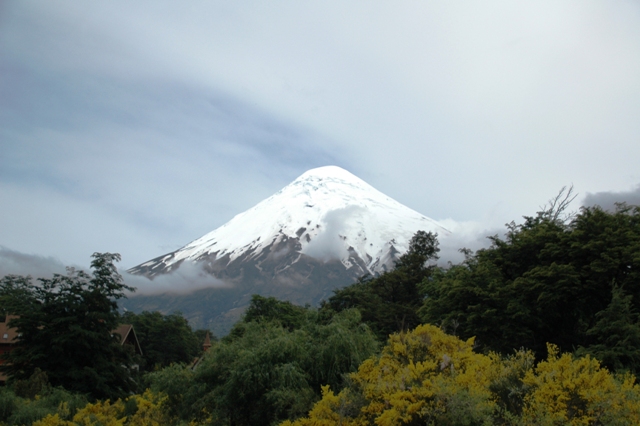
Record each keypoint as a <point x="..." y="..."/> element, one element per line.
<point x="165" y="339"/>
<point x="573" y="282"/>
<point x="66" y="328"/>
<point x="269" y="368"/>
<point x="542" y="327"/>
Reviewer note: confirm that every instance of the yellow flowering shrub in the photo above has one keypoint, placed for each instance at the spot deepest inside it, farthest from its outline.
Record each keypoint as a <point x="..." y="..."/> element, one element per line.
<point x="427" y="377"/>
<point x="423" y="375"/>
<point x="146" y="410"/>
<point x="100" y="413"/>
<point x="52" y="420"/>
<point x="569" y="391"/>
<point x="150" y="410"/>
<point x="328" y="411"/>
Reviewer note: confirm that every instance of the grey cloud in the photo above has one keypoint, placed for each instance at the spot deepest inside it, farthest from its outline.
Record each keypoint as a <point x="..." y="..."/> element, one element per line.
<point x="147" y="124"/>
<point x="608" y="199"/>
<point x="469" y="235"/>
<point x="187" y="278"/>
<point x="16" y="263"/>
<point x="166" y="120"/>
<point x="164" y="159"/>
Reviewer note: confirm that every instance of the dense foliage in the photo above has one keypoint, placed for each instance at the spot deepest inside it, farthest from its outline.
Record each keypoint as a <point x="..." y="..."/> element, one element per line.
<point x="422" y="377"/>
<point x="34" y="401"/>
<point x="166" y="339"/>
<point x="270" y="368"/>
<point x="135" y="410"/>
<point x="573" y="283"/>
<point x="425" y="377"/>
<point x="65" y="325"/>
<point x="270" y="309"/>
<point x="390" y="302"/>
<point x="555" y="306"/>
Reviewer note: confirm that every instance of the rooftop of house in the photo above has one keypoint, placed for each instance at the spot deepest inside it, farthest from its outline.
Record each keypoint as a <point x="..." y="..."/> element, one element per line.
<point x="128" y="336"/>
<point x="8" y="335"/>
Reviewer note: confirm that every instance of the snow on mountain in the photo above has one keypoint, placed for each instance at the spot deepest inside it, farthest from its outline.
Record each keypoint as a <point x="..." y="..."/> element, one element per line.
<point x="321" y="232"/>
<point x="327" y="214"/>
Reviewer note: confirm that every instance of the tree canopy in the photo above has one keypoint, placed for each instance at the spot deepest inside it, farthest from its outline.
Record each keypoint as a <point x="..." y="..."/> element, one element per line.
<point x="568" y="282"/>
<point x="165" y="339"/>
<point x="266" y="370"/>
<point x="390" y="302"/>
<point x="65" y="328"/>
<point x="426" y="377"/>
<point x="270" y="309"/>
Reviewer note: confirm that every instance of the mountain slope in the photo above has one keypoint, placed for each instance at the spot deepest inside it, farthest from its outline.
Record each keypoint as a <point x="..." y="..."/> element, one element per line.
<point x="322" y="231"/>
<point x="327" y="213"/>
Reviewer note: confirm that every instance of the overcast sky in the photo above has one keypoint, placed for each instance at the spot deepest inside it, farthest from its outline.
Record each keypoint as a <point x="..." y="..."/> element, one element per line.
<point x="136" y="127"/>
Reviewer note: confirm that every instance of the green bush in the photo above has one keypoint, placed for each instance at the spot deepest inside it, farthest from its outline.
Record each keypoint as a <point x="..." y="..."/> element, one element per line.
<point x="267" y="370"/>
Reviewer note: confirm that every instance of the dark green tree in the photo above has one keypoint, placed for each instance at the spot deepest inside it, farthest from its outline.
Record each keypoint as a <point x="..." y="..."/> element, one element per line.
<point x="389" y="303"/>
<point x="616" y="335"/>
<point x="164" y="339"/>
<point x="65" y="325"/>
<point x="548" y="279"/>
<point x="282" y="312"/>
<point x="267" y="372"/>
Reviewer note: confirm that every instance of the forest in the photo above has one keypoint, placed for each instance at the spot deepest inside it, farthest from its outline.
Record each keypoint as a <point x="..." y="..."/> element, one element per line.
<point x="540" y="328"/>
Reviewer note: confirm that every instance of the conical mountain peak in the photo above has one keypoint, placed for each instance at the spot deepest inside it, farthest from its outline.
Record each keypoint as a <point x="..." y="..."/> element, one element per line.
<point x="327" y="172"/>
<point x="323" y="231"/>
<point x="331" y="180"/>
<point x="327" y="213"/>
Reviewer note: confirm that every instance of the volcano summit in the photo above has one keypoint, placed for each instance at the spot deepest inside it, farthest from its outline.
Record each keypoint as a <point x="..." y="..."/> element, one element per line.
<point x="322" y="231"/>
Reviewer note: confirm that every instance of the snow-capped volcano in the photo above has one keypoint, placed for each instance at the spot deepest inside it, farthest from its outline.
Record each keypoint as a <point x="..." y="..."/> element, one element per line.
<point x="321" y="232"/>
<point x="327" y="214"/>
